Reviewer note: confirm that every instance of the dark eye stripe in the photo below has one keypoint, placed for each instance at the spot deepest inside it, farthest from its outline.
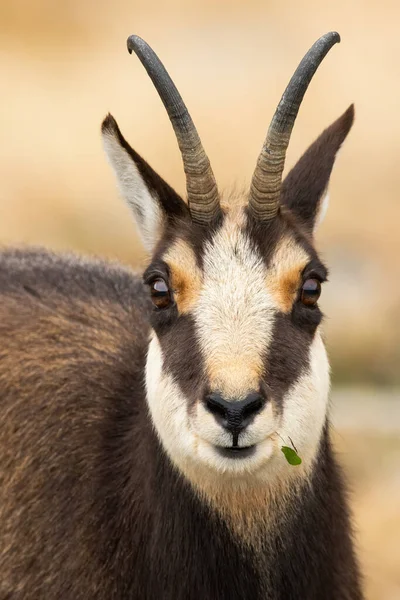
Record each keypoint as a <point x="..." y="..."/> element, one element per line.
<point x="183" y="358"/>
<point x="287" y="358"/>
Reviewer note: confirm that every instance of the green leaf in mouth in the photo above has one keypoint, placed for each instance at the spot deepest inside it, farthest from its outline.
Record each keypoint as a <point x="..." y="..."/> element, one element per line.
<point x="291" y="456"/>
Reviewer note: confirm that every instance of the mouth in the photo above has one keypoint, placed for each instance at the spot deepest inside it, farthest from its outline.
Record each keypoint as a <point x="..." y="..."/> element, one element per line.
<point x="236" y="452"/>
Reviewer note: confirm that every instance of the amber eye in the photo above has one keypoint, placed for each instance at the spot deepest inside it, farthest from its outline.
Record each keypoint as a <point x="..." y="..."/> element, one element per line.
<point x="310" y="292"/>
<point x="160" y="293"/>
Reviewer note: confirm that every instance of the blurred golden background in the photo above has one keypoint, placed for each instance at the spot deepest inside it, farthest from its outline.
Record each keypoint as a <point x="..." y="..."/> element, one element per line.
<point x="64" y="65"/>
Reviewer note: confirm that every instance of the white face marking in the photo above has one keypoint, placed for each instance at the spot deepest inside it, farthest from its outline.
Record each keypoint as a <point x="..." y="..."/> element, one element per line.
<point x="234" y="314"/>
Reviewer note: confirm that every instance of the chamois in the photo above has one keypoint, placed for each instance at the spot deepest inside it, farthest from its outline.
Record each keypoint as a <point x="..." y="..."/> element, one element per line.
<point x="142" y="420"/>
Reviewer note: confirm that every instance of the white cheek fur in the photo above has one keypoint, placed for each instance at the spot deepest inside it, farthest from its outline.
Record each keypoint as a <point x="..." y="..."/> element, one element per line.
<point x="168" y="407"/>
<point x="306" y="403"/>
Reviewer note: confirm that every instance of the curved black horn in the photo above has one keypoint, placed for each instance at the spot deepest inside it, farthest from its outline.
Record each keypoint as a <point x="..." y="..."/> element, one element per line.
<point x="202" y="192"/>
<point x="267" y="179"/>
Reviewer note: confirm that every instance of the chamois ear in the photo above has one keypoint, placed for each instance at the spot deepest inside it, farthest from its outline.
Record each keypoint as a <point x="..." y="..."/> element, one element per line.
<point x="305" y="189"/>
<point x="151" y="199"/>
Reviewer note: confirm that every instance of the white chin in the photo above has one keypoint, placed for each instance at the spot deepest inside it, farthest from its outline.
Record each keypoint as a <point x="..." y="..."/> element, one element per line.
<point x="230" y="461"/>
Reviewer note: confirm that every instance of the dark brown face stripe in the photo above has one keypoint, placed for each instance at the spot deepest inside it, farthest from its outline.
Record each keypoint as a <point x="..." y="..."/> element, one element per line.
<point x="288" y="357"/>
<point x="182" y="357"/>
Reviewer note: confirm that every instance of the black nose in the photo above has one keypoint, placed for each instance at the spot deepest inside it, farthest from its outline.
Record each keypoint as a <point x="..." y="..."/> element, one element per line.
<point x="234" y="415"/>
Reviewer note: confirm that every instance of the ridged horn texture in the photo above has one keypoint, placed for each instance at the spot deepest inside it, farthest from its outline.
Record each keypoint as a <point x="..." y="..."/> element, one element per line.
<point x="267" y="179"/>
<point x="202" y="191"/>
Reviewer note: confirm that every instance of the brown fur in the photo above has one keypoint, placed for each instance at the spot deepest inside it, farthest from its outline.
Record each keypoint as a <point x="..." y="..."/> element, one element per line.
<point x="284" y="274"/>
<point x="185" y="275"/>
<point x="57" y="354"/>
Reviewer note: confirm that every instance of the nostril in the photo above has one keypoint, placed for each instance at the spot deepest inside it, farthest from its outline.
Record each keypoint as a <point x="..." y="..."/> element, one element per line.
<point x="218" y="407"/>
<point x="253" y="404"/>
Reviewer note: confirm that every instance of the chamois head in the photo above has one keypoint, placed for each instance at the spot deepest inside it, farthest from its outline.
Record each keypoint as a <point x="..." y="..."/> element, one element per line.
<point x="236" y="365"/>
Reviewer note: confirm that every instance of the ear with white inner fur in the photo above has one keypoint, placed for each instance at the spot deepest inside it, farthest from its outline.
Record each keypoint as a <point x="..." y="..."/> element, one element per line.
<point x="151" y="199"/>
<point x="305" y="189"/>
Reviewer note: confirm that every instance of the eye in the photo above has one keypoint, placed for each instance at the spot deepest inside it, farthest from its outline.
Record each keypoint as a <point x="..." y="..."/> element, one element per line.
<point x="160" y="293"/>
<point x="310" y="292"/>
